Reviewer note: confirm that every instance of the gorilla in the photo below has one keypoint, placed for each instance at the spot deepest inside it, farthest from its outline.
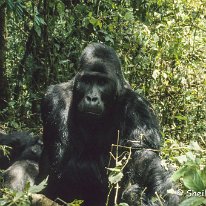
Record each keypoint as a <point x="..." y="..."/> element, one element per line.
<point x="19" y="174"/>
<point x="23" y="146"/>
<point x="82" y="118"/>
<point x="21" y="166"/>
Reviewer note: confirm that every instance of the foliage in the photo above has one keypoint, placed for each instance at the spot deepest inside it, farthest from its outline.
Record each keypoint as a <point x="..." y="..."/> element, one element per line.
<point x="14" y="198"/>
<point x="20" y="198"/>
<point x="5" y="150"/>
<point x="192" y="174"/>
<point x="76" y="203"/>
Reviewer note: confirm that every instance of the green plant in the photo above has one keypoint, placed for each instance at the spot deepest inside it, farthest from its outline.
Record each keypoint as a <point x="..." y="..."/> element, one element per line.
<point x="121" y="159"/>
<point x="192" y="174"/>
<point x="20" y="198"/>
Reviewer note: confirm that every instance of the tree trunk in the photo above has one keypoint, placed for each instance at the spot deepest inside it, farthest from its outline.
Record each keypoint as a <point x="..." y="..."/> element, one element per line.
<point x="4" y="94"/>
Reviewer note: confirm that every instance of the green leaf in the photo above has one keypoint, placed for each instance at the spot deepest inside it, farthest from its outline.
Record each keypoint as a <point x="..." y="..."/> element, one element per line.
<point x="193" y="181"/>
<point x="123" y="204"/>
<point x="17" y="196"/>
<point x="116" y="169"/>
<point x="179" y="173"/>
<point x="99" y="23"/>
<point x="37" y="29"/>
<point x="93" y="21"/>
<point x="182" y="159"/>
<point x="203" y="176"/>
<point x="76" y="203"/>
<point x="109" y="39"/>
<point x="193" y="201"/>
<point x="10" y="4"/>
<point x="38" y="188"/>
<point x="115" y="178"/>
<point x="90" y="14"/>
<point x="198" y="181"/>
<point x="129" y="15"/>
<point x="3" y="202"/>
<point x="41" y="21"/>
<point x="195" y="146"/>
<point x="191" y="156"/>
<point x="60" y="8"/>
<point x="180" y="117"/>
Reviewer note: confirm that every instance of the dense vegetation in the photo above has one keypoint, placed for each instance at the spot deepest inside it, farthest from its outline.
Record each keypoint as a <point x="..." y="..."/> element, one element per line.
<point x="162" y="47"/>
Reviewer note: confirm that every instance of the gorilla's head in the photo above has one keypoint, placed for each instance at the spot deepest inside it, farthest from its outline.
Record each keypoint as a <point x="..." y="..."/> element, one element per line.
<point x="99" y="82"/>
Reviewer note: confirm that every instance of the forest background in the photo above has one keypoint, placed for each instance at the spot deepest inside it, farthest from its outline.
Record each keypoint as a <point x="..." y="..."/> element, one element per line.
<point x="162" y="47"/>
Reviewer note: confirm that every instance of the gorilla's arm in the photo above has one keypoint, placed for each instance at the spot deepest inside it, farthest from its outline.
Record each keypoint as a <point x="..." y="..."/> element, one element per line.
<point x="55" y="109"/>
<point x="141" y="131"/>
<point x="139" y="124"/>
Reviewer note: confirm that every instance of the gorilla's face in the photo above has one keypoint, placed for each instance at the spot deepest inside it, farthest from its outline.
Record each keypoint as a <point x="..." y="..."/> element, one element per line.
<point x="99" y="83"/>
<point x="96" y="90"/>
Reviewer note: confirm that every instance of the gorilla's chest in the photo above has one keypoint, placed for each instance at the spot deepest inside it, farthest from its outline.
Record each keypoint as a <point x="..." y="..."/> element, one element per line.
<point x="86" y="163"/>
<point x="88" y="168"/>
<point x="86" y="176"/>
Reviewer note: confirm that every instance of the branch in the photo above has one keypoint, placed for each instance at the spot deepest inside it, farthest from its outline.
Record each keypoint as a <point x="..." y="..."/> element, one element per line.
<point x="41" y="200"/>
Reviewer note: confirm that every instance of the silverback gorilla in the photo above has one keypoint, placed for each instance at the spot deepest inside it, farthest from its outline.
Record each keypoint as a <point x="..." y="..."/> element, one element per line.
<point x="80" y="123"/>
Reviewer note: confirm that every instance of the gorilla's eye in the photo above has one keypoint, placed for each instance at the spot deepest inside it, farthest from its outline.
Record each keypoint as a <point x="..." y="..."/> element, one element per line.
<point x="101" y="82"/>
<point x="86" y="80"/>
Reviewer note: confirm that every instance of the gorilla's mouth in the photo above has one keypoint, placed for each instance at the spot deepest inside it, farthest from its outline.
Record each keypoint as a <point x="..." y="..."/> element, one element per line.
<point x="94" y="113"/>
<point x="91" y="111"/>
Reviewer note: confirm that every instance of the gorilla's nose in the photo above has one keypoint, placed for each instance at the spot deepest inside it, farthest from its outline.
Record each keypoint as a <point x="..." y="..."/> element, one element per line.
<point x="93" y="100"/>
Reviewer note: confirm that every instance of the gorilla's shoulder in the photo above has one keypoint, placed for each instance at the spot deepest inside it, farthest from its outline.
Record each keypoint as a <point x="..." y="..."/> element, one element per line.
<point x="138" y="105"/>
<point x="57" y="96"/>
<point x="60" y="89"/>
<point x="133" y="99"/>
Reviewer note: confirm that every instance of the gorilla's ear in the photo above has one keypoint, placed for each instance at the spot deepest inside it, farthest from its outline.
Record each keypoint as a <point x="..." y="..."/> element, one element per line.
<point x="122" y="84"/>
